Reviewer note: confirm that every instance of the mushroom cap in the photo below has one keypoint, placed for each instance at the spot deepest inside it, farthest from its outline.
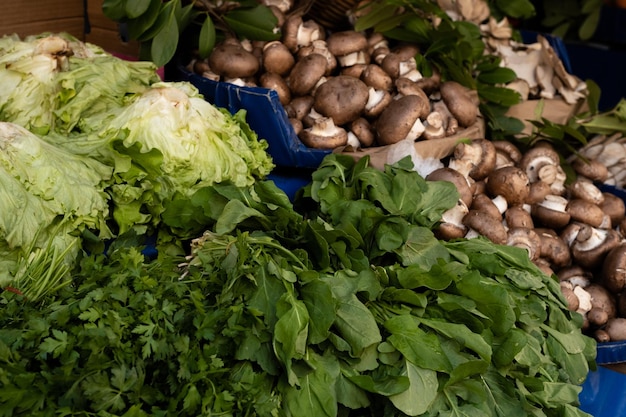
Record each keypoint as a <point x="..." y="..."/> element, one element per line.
<point x="396" y="121"/>
<point x="585" y="212"/>
<point x="510" y="182"/>
<point x="508" y="151"/>
<point x="518" y="216"/>
<point x="231" y="60"/>
<point x="306" y="73"/>
<point x="277" y="83"/>
<point x="538" y="191"/>
<point x="374" y="76"/>
<point x="550" y="212"/>
<point x="553" y="247"/>
<point x="324" y="135"/>
<point x="535" y="158"/>
<point x="290" y="31"/>
<point x="480" y="154"/>
<point x="585" y="189"/>
<point x="487" y="226"/>
<point x="345" y="42"/>
<point x="614" y="207"/>
<point x="482" y="202"/>
<point x="590" y="253"/>
<point x="406" y="86"/>
<point x="456" y="178"/>
<point x="614" y="269"/>
<point x="616" y="329"/>
<point x="591" y="169"/>
<point x="277" y="58"/>
<point x="363" y="130"/>
<point x="341" y="97"/>
<point x="299" y="107"/>
<point x="602" y="298"/>
<point x="459" y="102"/>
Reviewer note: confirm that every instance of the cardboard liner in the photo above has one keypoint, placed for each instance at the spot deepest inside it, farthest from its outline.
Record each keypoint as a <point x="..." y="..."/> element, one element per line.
<point x="555" y="110"/>
<point x="424" y="149"/>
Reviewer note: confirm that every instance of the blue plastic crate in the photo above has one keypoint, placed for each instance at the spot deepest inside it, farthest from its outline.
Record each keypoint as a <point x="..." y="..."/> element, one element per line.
<point x="265" y="115"/>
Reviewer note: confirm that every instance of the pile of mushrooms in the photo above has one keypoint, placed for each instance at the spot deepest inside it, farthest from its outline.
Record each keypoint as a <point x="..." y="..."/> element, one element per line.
<point x="346" y="87"/>
<point x="572" y="230"/>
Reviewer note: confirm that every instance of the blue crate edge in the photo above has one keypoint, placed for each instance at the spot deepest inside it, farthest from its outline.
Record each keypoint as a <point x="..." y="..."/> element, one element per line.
<point x="265" y="115"/>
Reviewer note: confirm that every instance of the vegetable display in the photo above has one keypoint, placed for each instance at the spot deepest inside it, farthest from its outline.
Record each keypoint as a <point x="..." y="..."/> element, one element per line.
<point x="92" y="146"/>
<point x="342" y="303"/>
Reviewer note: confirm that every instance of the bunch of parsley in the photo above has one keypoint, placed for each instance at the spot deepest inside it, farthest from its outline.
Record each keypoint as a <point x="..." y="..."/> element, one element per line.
<point x="341" y="304"/>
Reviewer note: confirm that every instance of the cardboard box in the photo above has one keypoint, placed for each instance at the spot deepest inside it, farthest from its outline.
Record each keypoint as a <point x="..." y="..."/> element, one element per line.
<point x="24" y="17"/>
<point x="555" y="110"/>
<point x="87" y="23"/>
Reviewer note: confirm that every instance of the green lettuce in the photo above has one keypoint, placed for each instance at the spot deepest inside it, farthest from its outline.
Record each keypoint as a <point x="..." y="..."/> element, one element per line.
<point x="177" y="143"/>
<point x="56" y="83"/>
<point x="48" y="197"/>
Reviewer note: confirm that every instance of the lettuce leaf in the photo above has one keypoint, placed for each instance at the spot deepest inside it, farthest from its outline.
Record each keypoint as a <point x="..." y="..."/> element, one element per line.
<point x="46" y="195"/>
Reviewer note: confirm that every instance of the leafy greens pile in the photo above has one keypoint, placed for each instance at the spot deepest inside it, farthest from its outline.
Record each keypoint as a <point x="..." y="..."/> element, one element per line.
<point x="342" y="303"/>
<point x="92" y="146"/>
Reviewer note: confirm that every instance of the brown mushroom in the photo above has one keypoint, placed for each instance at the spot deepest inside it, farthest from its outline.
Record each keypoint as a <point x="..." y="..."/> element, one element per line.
<point x="459" y="102"/>
<point x="485" y="225"/>
<point x="589" y="249"/>
<point x="456" y="178"/>
<point x="230" y="60"/>
<point x="538" y="192"/>
<point x="364" y="131"/>
<point x="475" y="159"/>
<point x="320" y="47"/>
<point x="554" y="249"/>
<point x="518" y="216"/>
<point x="374" y="76"/>
<point x="616" y="329"/>
<point x="590" y="169"/>
<point x="406" y="86"/>
<point x="585" y="189"/>
<point x="401" y="61"/>
<point x="601" y="301"/>
<point x="509" y="182"/>
<point x="324" y="134"/>
<point x="585" y="212"/>
<point x="433" y="126"/>
<point x="451" y="225"/>
<point x="567" y="289"/>
<point x="614" y="269"/>
<point x="277" y="58"/>
<point x="614" y="207"/>
<point x="299" y="107"/>
<point x="377" y="102"/>
<point x="482" y="202"/>
<point x="506" y="153"/>
<point x="306" y="73"/>
<point x="277" y="83"/>
<point x="297" y="33"/>
<point x="399" y="121"/>
<point x="349" y="47"/>
<point x="341" y="97"/>
<point x="542" y="163"/>
<point x="551" y="212"/>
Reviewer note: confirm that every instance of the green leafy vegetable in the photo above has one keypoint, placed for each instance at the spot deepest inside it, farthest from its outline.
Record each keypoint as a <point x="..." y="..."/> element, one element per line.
<point x="281" y="313"/>
<point x="49" y="197"/>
